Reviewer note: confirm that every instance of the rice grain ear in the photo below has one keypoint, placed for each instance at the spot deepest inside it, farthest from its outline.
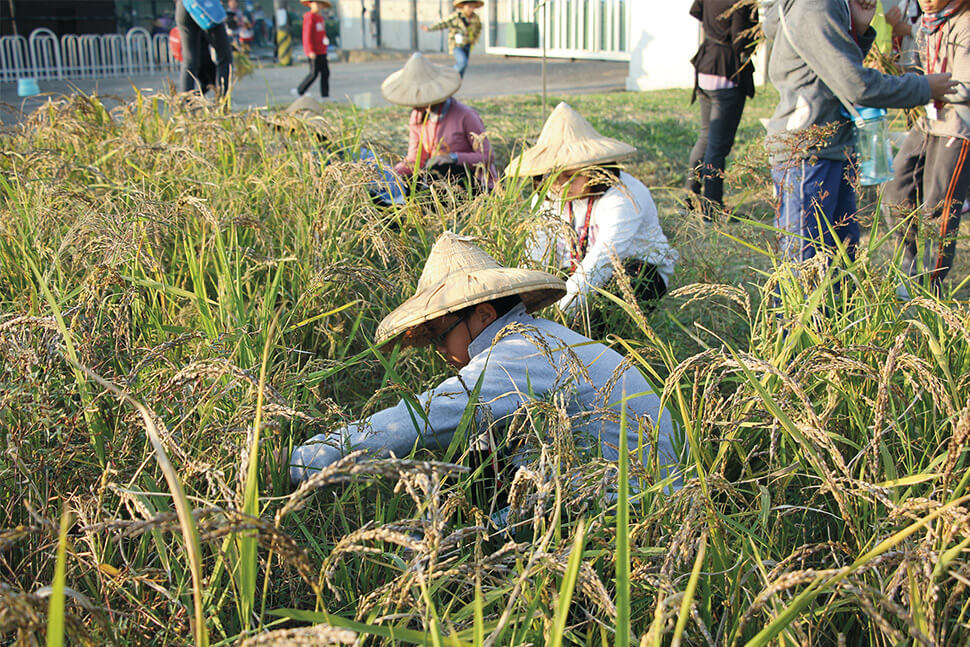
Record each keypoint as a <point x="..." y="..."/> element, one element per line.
<point x="183" y="508"/>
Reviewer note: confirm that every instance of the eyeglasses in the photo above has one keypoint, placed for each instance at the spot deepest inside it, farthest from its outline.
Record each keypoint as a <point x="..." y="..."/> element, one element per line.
<point x="438" y="341"/>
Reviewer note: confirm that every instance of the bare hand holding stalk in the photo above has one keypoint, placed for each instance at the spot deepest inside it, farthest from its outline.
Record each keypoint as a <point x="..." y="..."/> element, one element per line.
<point x="940" y="85"/>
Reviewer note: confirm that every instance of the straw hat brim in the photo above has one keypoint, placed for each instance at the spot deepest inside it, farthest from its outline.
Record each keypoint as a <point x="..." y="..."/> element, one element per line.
<point x="568" y="157"/>
<point x="478" y="4"/>
<point x="406" y="323"/>
<point x="416" y="87"/>
<point x="306" y="3"/>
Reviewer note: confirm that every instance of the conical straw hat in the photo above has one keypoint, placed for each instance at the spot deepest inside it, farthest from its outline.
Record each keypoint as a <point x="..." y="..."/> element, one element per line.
<point x="307" y="110"/>
<point x="567" y="142"/>
<point x="459" y="274"/>
<point x="420" y="83"/>
<point x="306" y="3"/>
<point x="478" y="4"/>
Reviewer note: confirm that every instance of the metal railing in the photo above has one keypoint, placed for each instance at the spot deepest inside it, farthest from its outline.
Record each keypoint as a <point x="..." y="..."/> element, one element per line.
<point x="43" y="56"/>
<point x="581" y="29"/>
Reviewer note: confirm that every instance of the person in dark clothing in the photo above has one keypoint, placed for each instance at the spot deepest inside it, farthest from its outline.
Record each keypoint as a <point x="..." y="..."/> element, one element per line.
<point x="194" y="39"/>
<point x="723" y="80"/>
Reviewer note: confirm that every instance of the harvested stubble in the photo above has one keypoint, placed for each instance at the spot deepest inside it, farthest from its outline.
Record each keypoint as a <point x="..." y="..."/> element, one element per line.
<point x="826" y="490"/>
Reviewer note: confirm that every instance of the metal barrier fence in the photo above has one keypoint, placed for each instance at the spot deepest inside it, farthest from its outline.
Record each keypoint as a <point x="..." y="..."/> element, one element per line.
<point x="43" y="56"/>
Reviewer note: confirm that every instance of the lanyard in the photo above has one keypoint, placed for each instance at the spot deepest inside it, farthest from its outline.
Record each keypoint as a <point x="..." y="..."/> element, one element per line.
<point x="422" y="160"/>
<point x="931" y="62"/>
<point x="580" y="249"/>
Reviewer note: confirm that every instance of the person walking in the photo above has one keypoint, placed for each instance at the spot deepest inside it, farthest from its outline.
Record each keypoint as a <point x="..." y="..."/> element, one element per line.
<point x="723" y="81"/>
<point x="464" y="27"/>
<point x="201" y="23"/>
<point x="315" y="43"/>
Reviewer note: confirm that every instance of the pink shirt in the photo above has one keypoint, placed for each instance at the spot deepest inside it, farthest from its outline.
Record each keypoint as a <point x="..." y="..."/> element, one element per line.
<point x="459" y="130"/>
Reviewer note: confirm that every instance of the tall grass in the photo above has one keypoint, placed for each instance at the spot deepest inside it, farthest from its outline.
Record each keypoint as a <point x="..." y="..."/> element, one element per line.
<point x="184" y="298"/>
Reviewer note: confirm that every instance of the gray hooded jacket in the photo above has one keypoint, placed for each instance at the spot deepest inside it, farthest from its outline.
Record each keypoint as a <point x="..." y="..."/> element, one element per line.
<point x="824" y="56"/>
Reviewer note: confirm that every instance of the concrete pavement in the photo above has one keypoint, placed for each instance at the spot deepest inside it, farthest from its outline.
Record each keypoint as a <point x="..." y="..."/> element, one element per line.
<point x="268" y="85"/>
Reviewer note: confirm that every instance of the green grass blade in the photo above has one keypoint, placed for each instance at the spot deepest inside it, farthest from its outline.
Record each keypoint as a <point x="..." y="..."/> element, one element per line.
<point x="55" y="606"/>
<point x="568" y="585"/>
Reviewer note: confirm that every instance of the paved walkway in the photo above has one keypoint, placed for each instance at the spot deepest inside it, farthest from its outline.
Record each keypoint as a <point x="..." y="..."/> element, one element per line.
<point x="487" y="76"/>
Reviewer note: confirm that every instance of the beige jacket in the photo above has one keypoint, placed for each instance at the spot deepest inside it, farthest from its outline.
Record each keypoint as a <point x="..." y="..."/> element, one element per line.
<point x="953" y="119"/>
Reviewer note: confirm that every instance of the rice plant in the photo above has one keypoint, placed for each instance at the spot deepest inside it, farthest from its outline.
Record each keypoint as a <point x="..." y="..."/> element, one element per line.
<point x="186" y="293"/>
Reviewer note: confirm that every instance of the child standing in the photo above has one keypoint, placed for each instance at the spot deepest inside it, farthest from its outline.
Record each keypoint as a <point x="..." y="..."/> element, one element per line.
<point x="932" y="169"/>
<point x="315" y="43"/>
<point x="464" y="28"/>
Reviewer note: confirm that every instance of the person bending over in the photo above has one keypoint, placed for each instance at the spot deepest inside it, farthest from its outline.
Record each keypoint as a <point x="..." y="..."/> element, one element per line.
<point x="597" y="210"/>
<point x="445" y="136"/>
<point x="475" y="312"/>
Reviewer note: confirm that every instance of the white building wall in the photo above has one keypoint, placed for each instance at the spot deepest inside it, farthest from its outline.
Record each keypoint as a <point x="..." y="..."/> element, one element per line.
<point x="664" y="37"/>
<point x="395" y="24"/>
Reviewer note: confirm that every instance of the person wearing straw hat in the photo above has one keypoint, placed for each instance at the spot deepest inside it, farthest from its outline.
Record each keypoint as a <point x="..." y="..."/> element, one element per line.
<point x="315" y="44"/>
<point x="476" y="313"/>
<point x="464" y="27"/>
<point x="305" y="111"/>
<point x="444" y="135"/>
<point x="597" y="210"/>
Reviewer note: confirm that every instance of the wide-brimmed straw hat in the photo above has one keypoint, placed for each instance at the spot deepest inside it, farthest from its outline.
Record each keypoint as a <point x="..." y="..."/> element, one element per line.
<point x="305" y="110"/>
<point x="478" y="4"/>
<point x="458" y="274"/>
<point x="306" y="3"/>
<point x="567" y="142"/>
<point x="420" y="83"/>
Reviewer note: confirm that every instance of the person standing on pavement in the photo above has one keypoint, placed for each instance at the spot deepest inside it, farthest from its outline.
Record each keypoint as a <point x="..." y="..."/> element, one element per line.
<point x="201" y="23"/>
<point x="723" y="80"/>
<point x="464" y="27"/>
<point x="315" y="43"/>
<point x="816" y="65"/>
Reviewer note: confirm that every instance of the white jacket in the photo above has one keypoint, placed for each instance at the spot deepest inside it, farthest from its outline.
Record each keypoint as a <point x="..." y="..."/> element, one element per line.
<point x="623" y="220"/>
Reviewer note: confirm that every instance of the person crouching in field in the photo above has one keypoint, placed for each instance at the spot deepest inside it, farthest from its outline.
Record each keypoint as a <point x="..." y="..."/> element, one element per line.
<point x="598" y="210"/>
<point x="315" y="43"/>
<point x="475" y="312"/>
<point x="816" y="65"/>
<point x="445" y="137"/>
<point x="932" y="172"/>
<point x="464" y="27"/>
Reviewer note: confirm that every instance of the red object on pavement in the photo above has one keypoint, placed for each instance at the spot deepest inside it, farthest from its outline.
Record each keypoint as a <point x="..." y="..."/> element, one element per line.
<point x="175" y="43"/>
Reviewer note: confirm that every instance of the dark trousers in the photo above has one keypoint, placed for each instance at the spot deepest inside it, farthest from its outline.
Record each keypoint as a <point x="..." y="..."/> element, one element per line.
<point x="318" y="68"/>
<point x="194" y="38"/>
<point x="720" y="115"/>
<point x="816" y="205"/>
<point x="927" y="192"/>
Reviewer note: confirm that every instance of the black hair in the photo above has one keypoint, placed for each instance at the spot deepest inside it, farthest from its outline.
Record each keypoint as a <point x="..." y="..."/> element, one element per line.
<point x="504" y="305"/>
<point x="602" y="178"/>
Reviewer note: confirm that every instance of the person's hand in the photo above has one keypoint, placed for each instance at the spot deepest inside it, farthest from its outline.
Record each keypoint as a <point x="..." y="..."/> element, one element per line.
<point x="894" y="16"/>
<point x="312" y="56"/>
<point x="862" y="12"/>
<point x="940" y="85"/>
<point x="438" y="160"/>
<point x="424" y="28"/>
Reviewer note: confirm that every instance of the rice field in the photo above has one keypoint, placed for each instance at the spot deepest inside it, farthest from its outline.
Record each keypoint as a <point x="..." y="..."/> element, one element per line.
<point x="185" y="297"/>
